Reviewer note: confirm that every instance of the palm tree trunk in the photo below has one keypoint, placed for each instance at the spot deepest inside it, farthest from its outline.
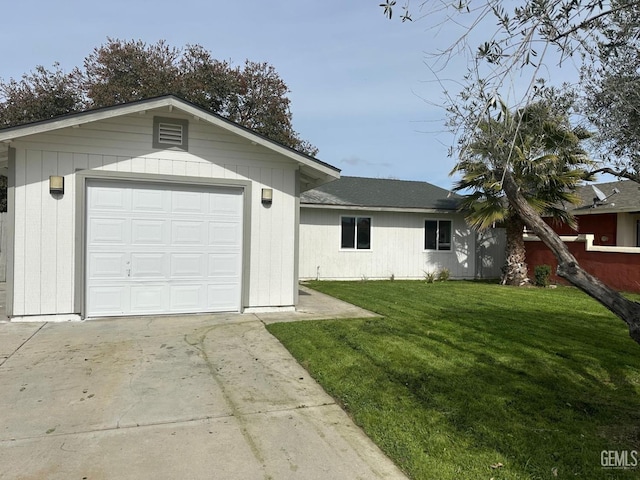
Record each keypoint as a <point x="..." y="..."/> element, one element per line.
<point x="568" y="267"/>
<point x="515" y="271"/>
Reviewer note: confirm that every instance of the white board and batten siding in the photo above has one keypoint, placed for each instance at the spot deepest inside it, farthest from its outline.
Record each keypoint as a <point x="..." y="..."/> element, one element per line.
<point x="44" y="249"/>
<point x="397" y="247"/>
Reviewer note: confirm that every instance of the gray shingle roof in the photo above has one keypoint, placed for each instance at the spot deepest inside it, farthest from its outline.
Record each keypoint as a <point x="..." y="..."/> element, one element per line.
<point x="381" y="193"/>
<point x="627" y="200"/>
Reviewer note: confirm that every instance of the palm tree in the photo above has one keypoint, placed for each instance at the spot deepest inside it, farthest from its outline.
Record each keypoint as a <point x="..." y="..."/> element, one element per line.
<point x="542" y="152"/>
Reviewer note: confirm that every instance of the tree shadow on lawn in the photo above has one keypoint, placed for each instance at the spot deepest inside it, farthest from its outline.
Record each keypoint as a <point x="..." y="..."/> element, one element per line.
<point x="542" y="397"/>
<point x="530" y="413"/>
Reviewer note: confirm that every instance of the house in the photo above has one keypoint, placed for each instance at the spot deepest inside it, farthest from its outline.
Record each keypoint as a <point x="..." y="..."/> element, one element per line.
<point x="372" y="228"/>
<point x="606" y="242"/>
<point x="151" y="207"/>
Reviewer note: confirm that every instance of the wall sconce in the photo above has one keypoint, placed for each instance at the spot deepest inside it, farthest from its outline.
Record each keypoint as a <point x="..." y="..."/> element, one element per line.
<point x="267" y="196"/>
<point x="56" y="184"/>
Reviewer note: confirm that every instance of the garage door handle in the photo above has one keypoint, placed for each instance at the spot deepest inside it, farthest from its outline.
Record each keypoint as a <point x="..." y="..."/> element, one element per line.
<point x="128" y="272"/>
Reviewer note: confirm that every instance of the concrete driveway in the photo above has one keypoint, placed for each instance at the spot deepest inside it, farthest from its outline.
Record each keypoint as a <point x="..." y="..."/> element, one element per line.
<point x="198" y="397"/>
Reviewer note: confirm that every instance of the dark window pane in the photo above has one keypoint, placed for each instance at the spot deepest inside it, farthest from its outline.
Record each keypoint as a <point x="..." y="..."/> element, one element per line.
<point x="430" y="232"/>
<point x="348" y="232"/>
<point x="364" y="233"/>
<point x="444" y="235"/>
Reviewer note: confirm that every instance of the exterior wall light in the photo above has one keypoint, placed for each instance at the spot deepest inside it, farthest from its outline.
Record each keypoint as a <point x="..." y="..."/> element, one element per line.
<point x="56" y="184"/>
<point x="267" y="196"/>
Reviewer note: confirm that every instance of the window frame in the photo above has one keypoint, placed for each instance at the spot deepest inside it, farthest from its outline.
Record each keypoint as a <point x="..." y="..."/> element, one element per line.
<point x="356" y="219"/>
<point x="438" y="248"/>
<point x="184" y="125"/>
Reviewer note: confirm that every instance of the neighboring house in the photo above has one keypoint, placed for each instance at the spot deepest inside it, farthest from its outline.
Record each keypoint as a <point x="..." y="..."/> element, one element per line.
<point x="372" y="228"/>
<point x="607" y="240"/>
<point x="151" y="207"/>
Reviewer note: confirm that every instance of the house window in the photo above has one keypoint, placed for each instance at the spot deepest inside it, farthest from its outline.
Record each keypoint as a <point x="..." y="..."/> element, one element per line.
<point x="356" y="233"/>
<point x="437" y="235"/>
<point x="170" y="133"/>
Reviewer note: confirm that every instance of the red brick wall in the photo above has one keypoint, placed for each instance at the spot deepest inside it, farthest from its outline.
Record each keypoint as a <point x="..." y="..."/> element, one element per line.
<point x="620" y="271"/>
<point x="600" y="225"/>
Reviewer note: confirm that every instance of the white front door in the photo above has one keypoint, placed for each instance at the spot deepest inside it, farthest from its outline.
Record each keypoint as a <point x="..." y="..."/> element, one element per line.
<point x="162" y="248"/>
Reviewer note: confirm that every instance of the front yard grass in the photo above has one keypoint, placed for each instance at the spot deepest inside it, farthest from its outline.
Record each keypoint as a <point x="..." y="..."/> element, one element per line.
<point x="466" y="380"/>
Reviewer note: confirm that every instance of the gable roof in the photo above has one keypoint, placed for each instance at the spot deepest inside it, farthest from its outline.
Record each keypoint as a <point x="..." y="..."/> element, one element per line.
<point x="380" y="194"/>
<point x="626" y="200"/>
<point x="313" y="172"/>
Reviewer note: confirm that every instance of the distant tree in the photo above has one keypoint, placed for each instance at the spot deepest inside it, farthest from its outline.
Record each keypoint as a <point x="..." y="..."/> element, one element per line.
<point x="544" y="155"/>
<point x="207" y="82"/>
<point x="121" y="72"/>
<point x="260" y="103"/>
<point x="611" y="84"/>
<point x="39" y="95"/>
<point x="125" y="71"/>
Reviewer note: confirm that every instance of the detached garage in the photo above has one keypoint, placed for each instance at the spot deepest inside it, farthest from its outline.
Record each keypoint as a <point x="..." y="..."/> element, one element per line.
<point x="148" y="208"/>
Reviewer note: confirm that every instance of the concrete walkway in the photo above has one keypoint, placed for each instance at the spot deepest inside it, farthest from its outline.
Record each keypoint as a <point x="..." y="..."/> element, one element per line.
<point x="198" y="397"/>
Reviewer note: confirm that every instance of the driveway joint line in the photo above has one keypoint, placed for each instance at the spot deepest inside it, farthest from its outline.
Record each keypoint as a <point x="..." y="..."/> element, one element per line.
<point x="22" y="344"/>
<point x="169" y="422"/>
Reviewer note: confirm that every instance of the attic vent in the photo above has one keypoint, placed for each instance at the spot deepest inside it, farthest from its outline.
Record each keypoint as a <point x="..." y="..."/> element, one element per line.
<point x="170" y="133"/>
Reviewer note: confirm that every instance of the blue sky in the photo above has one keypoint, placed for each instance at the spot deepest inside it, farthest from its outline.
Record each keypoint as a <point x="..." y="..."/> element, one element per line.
<point x="358" y="82"/>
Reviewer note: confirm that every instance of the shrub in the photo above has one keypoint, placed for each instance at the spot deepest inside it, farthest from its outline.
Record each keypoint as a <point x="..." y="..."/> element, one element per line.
<point x="444" y="275"/>
<point x="542" y="274"/>
<point x="430" y="277"/>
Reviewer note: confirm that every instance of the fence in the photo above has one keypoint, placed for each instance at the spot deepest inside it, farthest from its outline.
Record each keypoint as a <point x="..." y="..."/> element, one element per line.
<point x="617" y="267"/>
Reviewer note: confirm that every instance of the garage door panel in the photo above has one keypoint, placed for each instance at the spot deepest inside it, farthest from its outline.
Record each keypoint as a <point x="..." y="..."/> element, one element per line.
<point x="149" y="232"/>
<point x="188" y="233"/>
<point x="161" y="248"/>
<point x="149" y="200"/>
<point x="108" y="300"/>
<point x="188" y="265"/>
<point x="223" y="265"/>
<point x="186" y="298"/>
<point x="220" y="298"/>
<point x="225" y="203"/>
<point x="108" y="265"/>
<point x="146" y="298"/>
<point x="149" y="265"/>
<point x="188" y="202"/>
<point x="109" y="199"/>
<point x="225" y="233"/>
<point x="108" y="231"/>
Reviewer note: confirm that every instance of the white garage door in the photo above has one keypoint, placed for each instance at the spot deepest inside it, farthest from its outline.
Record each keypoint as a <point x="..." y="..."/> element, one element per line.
<point x="161" y="249"/>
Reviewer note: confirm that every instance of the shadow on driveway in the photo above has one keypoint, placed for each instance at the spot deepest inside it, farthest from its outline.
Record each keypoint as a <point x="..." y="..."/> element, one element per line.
<point x="210" y="396"/>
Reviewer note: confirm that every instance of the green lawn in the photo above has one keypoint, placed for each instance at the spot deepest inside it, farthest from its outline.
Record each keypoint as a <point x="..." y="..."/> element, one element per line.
<point x="457" y="378"/>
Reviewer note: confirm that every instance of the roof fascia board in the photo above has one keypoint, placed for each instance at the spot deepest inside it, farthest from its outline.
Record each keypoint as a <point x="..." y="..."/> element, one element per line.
<point x="378" y="209"/>
<point x="82" y="118"/>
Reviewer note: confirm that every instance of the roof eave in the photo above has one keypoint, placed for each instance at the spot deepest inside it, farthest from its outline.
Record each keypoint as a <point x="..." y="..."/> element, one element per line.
<point x="378" y="208"/>
<point x="327" y="171"/>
